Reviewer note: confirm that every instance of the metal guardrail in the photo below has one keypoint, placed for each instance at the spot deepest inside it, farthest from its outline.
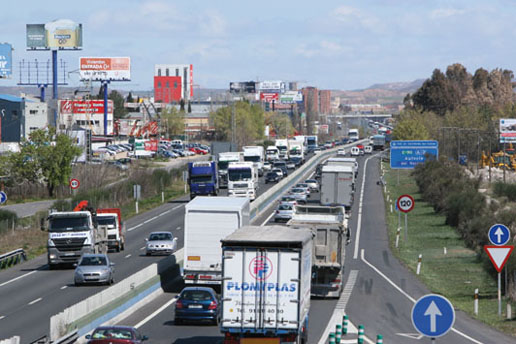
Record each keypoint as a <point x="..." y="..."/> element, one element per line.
<point x="12" y="258"/>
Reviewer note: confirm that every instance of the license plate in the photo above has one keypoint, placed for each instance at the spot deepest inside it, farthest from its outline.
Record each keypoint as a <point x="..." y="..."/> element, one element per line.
<point x="69" y="254"/>
<point x="195" y="306"/>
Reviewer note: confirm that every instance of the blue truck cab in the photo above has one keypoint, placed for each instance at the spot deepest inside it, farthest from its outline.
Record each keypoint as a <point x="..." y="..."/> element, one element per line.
<point x="202" y="178"/>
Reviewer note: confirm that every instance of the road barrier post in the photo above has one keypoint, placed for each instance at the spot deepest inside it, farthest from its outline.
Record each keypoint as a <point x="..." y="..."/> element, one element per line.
<point x="398" y="237"/>
<point x="136" y="207"/>
<point x="332" y="338"/>
<point x="379" y="339"/>
<point x="445" y="251"/>
<point x="476" y="302"/>
<point x="360" y="334"/>
<point x="345" y="325"/>
<point x="391" y="207"/>
<point x="509" y="311"/>
<point x="418" y="270"/>
<point x="338" y="333"/>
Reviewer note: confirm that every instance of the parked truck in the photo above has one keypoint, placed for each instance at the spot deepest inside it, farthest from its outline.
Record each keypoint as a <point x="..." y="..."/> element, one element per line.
<point x="272" y="153"/>
<point x="266" y="274"/>
<point x="256" y="155"/>
<point x="337" y="186"/>
<point x="378" y="142"/>
<point x="282" y="145"/>
<point x="329" y="226"/>
<point x="223" y="162"/>
<point x="73" y="233"/>
<point x="112" y="219"/>
<point x="202" y="178"/>
<point x="207" y="221"/>
<point x="242" y="179"/>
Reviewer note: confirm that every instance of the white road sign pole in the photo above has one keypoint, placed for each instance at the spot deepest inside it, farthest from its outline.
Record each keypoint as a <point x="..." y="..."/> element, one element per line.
<point x="499" y="294"/>
<point x="406" y="227"/>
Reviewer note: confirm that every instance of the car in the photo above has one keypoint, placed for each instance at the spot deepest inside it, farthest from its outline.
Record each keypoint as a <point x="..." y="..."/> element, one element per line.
<point x="291" y="165"/>
<point x="125" y="160"/>
<point x="160" y="243"/>
<point x="328" y="145"/>
<point x="317" y="150"/>
<point x="299" y="194"/>
<point x="313" y="185"/>
<point x="272" y="177"/>
<point x="118" y="165"/>
<point x="361" y="148"/>
<point x="355" y="151"/>
<point x="341" y="152"/>
<point x="278" y="171"/>
<point x="267" y="166"/>
<point x="283" y="212"/>
<point x="281" y="164"/>
<point x="94" y="268"/>
<point x="297" y="160"/>
<point x="116" y="334"/>
<point x="368" y="149"/>
<point x="305" y="187"/>
<point x="288" y="199"/>
<point x="197" y="304"/>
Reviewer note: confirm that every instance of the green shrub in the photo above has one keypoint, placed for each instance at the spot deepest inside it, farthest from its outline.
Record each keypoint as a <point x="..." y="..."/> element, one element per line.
<point x="62" y="205"/>
<point x="508" y="190"/>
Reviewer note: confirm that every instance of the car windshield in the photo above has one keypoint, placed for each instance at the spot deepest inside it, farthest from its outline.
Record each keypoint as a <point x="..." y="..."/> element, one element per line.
<point x="93" y="261"/>
<point x="196" y="295"/>
<point x="302" y="185"/>
<point x="311" y="181"/>
<point x="106" y="220"/>
<point x="112" y="333"/>
<point x="160" y="236"/>
<point x="223" y="165"/>
<point x="279" y="164"/>
<point x="252" y="158"/>
<point x="72" y="223"/>
<point x="288" y="199"/>
<point x="284" y="207"/>
<point x="239" y="174"/>
<point x="272" y="174"/>
<point x="298" y="190"/>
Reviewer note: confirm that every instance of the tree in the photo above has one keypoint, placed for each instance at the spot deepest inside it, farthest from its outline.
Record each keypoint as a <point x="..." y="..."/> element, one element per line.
<point x="189" y="107"/>
<point x="118" y="103"/>
<point x="280" y="123"/>
<point x="410" y="126"/>
<point x="46" y="158"/>
<point x="173" y="121"/>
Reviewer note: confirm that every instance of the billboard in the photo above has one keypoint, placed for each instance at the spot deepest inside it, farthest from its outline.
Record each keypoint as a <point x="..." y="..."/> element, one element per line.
<point x="59" y="34"/>
<point x="76" y="107"/>
<point x="507" y="130"/>
<point x="291" y="97"/>
<point x="105" y="68"/>
<point x="269" y="97"/>
<point x="275" y="86"/>
<point x="242" y="87"/>
<point x="6" y="60"/>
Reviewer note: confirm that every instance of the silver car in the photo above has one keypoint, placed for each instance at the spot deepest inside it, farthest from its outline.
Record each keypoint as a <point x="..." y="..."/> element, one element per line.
<point x="304" y="186"/>
<point x="94" y="268"/>
<point x="160" y="243"/>
<point x="299" y="194"/>
<point x="312" y="183"/>
<point x="283" y="212"/>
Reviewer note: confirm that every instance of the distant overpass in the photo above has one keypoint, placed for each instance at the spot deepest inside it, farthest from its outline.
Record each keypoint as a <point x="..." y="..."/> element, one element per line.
<point x="362" y="115"/>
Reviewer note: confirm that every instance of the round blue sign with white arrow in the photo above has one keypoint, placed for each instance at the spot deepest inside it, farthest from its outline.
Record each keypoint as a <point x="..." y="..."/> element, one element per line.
<point x="499" y="235"/>
<point x="3" y="197"/>
<point x="433" y="315"/>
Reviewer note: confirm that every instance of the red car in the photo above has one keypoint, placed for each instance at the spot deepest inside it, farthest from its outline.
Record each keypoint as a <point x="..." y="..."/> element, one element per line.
<point x="116" y="334"/>
<point x="361" y="147"/>
<point x="198" y="150"/>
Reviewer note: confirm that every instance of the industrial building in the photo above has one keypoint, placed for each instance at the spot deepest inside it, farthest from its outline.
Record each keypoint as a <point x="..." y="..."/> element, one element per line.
<point x="173" y="82"/>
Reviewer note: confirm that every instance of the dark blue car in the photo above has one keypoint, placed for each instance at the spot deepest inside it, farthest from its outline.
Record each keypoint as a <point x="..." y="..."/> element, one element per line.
<point x="197" y="304"/>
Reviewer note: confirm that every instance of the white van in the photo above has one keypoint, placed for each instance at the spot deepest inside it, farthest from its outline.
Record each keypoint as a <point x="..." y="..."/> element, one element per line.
<point x="355" y="151"/>
<point x="368" y="149"/>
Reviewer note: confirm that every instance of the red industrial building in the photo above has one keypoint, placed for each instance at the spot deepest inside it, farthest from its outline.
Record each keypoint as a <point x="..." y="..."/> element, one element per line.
<point x="167" y="89"/>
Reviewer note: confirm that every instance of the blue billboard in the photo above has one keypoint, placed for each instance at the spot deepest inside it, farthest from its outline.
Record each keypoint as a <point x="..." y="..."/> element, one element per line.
<point x="6" y="60"/>
<point x="407" y="154"/>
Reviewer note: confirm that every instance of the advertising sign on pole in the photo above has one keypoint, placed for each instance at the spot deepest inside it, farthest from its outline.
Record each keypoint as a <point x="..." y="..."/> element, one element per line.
<point x="269" y="97"/>
<point x="272" y="85"/>
<point x="151" y="145"/>
<point x="61" y="34"/>
<point x="291" y="97"/>
<point x="407" y="154"/>
<point x="105" y="68"/>
<point x="76" y="107"/>
<point x="6" y="60"/>
<point x="507" y="130"/>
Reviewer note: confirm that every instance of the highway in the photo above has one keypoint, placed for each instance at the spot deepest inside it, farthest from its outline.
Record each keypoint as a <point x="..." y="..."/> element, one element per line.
<point x="30" y="293"/>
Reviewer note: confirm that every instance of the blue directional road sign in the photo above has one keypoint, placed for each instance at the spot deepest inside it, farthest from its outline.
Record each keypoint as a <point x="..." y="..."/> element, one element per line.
<point x="433" y="315"/>
<point x="499" y="235"/>
<point x="3" y="197"/>
<point x="407" y="154"/>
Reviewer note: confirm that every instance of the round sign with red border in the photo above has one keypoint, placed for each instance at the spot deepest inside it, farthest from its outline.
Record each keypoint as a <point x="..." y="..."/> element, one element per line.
<point x="405" y="203"/>
<point x="74" y="183"/>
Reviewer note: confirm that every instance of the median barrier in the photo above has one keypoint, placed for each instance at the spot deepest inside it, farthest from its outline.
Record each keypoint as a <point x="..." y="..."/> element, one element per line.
<point x="12" y="258"/>
<point x="113" y="301"/>
<point x="12" y="340"/>
<point x="265" y="200"/>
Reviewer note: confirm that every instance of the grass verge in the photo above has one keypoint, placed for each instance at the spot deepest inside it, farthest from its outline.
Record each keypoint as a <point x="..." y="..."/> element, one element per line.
<point x="455" y="274"/>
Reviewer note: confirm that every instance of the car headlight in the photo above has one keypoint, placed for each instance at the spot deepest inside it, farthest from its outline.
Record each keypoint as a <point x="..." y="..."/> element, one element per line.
<point x="104" y="271"/>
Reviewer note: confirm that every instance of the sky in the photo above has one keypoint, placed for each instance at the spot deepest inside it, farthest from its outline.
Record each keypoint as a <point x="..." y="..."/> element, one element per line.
<point x="329" y="44"/>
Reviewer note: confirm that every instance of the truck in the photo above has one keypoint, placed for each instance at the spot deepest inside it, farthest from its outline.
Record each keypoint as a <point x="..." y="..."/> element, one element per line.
<point x="202" y="178"/>
<point x="311" y="143"/>
<point x="256" y="155"/>
<point x="73" y="233"/>
<point x="353" y="135"/>
<point x="112" y="219"/>
<point x="266" y="273"/>
<point x="272" y="153"/>
<point x="282" y="145"/>
<point x="223" y="162"/>
<point x="339" y="161"/>
<point x="207" y="221"/>
<point x="378" y="142"/>
<point x="329" y="227"/>
<point x="242" y="179"/>
<point x="337" y="186"/>
<point x="296" y="149"/>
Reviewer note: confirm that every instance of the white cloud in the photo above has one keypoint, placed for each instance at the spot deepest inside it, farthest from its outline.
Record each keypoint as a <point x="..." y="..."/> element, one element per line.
<point x="351" y="15"/>
<point x="212" y="24"/>
<point x="324" y="48"/>
<point x="445" y="13"/>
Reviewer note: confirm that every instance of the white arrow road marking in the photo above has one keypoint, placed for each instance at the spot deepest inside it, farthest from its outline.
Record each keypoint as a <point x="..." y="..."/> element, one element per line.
<point x="499" y="234"/>
<point x="64" y="287"/>
<point x="433" y="311"/>
<point x="142" y="248"/>
<point x="411" y="335"/>
<point x="129" y="255"/>
<point x="35" y="301"/>
<point x="1" y="317"/>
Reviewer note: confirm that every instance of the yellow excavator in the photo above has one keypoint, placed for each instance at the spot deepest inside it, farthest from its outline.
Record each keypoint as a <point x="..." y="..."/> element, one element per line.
<point x="500" y="159"/>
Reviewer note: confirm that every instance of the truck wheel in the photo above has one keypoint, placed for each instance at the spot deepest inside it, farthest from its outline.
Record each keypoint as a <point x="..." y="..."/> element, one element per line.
<point x="122" y="245"/>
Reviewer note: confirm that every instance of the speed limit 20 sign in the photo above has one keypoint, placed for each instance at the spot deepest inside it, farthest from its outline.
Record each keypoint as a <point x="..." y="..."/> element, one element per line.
<point x="405" y="203"/>
<point x="74" y="183"/>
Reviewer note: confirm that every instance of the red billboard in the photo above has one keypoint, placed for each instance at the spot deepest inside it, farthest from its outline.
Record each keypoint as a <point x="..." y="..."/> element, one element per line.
<point x="269" y="97"/>
<point x="151" y="145"/>
<point x="75" y="107"/>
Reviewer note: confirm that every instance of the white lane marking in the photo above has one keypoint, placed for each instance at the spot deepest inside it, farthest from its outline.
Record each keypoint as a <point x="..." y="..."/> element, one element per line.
<point x="178" y="228"/>
<point x="64" y="287"/>
<point x="152" y="219"/>
<point x="1" y="317"/>
<point x="407" y="295"/>
<point x="129" y="255"/>
<point x="267" y="220"/>
<point x="17" y="278"/>
<point x="359" y="219"/>
<point x="142" y="248"/>
<point x="35" y="301"/>
<point x="156" y="312"/>
<point x="348" y="288"/>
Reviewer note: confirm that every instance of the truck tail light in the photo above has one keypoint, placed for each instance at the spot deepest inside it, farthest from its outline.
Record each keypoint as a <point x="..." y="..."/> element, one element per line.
<point x="205" y="277"/>
<point x="190" y="277"/>
<point x="213" y="305"/>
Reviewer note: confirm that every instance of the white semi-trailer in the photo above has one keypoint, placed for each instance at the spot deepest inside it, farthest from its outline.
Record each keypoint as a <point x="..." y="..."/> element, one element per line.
<point x="256" y="155"/>
<point x="337" y="185"/>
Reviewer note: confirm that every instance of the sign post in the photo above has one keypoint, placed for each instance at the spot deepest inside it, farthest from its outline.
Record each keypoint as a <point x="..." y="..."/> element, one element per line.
<point x="433" y="316"/>
<point x="136" y="193"/>
<point x="405" y="203"/>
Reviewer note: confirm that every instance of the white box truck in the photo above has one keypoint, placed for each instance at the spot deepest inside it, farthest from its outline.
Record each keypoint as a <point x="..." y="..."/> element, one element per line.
<point x="242" y="179"/>
<point x="272" y="153"/>
<point x="344" y="162"/>
<point x="256" y="155"/>
<point x="207" y="221"/>
<point x="297" y="149"/>
<point x="223" y="161"/>
<point x="282" y="145"/>
<point x="266" y="285"/>
<point x="337" y="185"/>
